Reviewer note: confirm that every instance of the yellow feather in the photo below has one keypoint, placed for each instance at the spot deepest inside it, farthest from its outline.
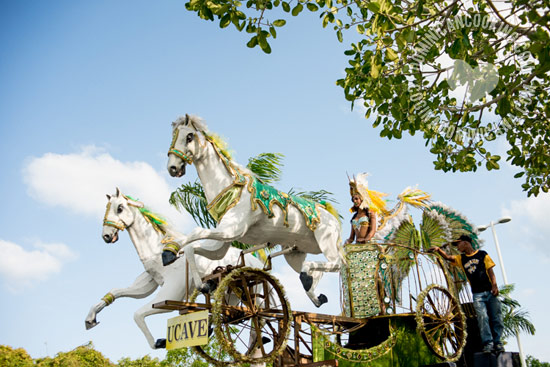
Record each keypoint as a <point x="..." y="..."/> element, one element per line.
<point x="331" y="209"/>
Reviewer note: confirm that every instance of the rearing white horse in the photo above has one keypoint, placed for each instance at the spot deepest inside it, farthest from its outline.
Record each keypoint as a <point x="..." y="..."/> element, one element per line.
<point x="251" y="212"/>
<point x="147" y="233"/>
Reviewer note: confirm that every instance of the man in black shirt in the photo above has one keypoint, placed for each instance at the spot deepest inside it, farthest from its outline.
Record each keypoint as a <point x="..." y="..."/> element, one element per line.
<point x="478" y="266"/>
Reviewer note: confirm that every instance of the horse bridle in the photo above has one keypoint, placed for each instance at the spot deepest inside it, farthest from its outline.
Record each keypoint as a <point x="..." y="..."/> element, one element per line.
<point x="178" y="153"/>
<point x="118" y="225"/>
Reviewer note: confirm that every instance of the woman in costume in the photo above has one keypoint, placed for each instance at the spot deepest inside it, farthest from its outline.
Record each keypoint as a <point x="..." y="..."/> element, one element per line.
<point x="366" y="205"/>
<point x="363" y="222"/>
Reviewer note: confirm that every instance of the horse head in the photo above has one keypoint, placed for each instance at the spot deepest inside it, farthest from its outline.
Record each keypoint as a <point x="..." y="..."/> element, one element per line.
<point x="118" y="215"/>
<point x="185" y="145"/>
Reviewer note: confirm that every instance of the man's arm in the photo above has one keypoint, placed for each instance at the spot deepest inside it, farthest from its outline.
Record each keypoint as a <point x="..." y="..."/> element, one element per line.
<point x="494" y="288"/>
<point x="443" y="254"/>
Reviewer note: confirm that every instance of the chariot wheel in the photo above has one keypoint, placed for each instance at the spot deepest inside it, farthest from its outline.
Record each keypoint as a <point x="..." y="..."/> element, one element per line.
<point x="211" y="352"/>
<point x="252" y="316"/>
<point x="441" y="322"/>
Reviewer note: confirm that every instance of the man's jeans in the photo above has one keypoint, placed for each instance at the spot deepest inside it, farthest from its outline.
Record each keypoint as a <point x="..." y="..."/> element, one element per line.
<point x="489" y="317"/>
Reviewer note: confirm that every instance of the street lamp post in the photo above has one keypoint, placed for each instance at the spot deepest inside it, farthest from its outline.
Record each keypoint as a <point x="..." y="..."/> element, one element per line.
<point x="504" y="277"/>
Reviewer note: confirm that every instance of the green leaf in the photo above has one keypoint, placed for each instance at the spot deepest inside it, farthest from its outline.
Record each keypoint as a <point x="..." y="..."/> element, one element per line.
<point x="312" y="7"/>
<point x="504" y="106"/>
<point x="279" y="22"/>
<point x="297" y="9"/>
<point x="190" y="197"/>
<point x="266" y="166"/>
<point x="325" y="21"/>
<point x="391" y="55"/>
<point x="339" y="35"/>
<point x="506" y="70"/>
<point x="373" y="6"/>
<point x="286" y="6"/>
<point x="225" y="21"/>
<point x="253" y="42"/>
<point x="375" y="70"/>
<point x="264" y="45"/>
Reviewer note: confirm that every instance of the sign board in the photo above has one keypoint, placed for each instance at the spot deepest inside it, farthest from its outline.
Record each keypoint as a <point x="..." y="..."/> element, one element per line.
<point x="187" y="330"/>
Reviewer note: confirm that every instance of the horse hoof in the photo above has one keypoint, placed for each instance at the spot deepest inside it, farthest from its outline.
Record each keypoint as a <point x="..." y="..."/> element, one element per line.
<point x="207" y="287"/>
<point x="168" y="257"/>
<point x="160" y="343"/>
<point x="90" y="324"/>
<point x="307" y="280"/>
<point x="322" y="299"/>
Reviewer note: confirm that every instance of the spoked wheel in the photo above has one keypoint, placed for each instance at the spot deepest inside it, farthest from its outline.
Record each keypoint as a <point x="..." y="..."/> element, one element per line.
<point x="212" y="352"/>
<point x="441" y="322"/>
<point x="252" y="316"/>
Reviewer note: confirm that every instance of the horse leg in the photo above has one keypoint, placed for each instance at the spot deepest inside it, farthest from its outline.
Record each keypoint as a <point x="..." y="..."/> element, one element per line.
<point x="143" y="286"/>
<point x="213" y="250"/>
<point x="312" y="271"/>
<point x="173" y="289"/>
<point x="309" y="279"/>
<point x="311" y="274"/>
<point x="226" y="231"/>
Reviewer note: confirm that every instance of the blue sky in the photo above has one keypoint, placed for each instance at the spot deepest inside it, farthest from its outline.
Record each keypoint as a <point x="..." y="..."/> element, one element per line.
<point x="88" y="91"/>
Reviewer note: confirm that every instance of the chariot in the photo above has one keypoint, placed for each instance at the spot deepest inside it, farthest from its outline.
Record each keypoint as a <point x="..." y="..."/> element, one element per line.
<point x="418" y="297"/>
<point x="419" y="294"/>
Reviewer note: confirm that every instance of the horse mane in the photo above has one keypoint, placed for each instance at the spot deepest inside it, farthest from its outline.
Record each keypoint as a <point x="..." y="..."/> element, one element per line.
<point x="219" y="142"/>
<point x="156" y="220"/>
<point x="196" y="121"/>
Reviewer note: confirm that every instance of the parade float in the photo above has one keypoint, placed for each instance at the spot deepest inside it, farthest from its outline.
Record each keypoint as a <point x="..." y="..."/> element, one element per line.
<point x="401" y="305"/>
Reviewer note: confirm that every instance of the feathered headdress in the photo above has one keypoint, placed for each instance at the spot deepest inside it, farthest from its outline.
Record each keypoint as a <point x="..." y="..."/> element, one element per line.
<point x="371" y="199"/>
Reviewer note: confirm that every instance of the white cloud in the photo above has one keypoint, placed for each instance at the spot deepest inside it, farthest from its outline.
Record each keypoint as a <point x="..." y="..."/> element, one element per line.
<point x="531" y="214"/>
<point x="79" y="182"/>
<point x="534" y="209"/>
<point x="22" y="268"/>
<point x="528" y="292"/>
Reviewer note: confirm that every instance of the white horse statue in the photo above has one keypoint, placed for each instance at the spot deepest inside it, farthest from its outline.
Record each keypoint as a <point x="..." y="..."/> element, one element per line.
<point x="147" y="232"/>
<point x="300" y="226"/>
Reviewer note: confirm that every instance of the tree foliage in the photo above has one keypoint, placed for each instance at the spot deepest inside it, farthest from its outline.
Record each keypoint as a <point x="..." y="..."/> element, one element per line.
<point x="534" y="362"/>
<point x="87" y="356"/>
<point x="462" y="73"/>
<point x="515" y="319"/>
<point x="10" y="357"/>
<point x="82" y="356"/>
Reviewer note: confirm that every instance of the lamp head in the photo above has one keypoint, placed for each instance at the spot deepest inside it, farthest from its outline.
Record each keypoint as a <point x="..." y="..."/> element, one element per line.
<point x="504" y="220"/>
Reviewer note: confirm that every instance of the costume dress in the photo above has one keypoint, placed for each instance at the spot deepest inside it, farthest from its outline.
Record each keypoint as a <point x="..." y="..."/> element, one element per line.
<point x="360" y="276"/>
<point x="487" y="306"/>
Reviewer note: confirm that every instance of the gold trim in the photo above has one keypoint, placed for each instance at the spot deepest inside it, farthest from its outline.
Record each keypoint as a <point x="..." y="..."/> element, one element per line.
<point x="220" y="196"/>
<point x="118" y="225"/>
<point x="237" y="181"/>
<point x="176" y="152"/>
<point x="156" y="227"/>
<point x="109" y="298"/>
